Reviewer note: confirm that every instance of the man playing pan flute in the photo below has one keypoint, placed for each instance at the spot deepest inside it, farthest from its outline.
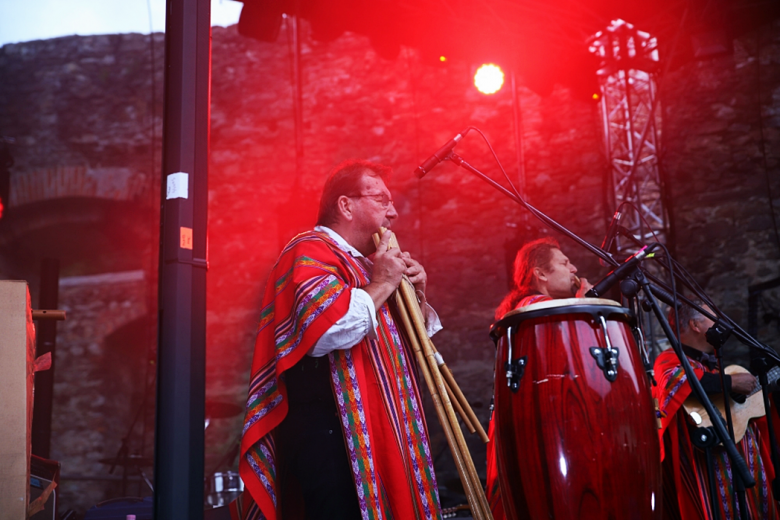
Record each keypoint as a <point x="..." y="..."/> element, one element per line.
<point x="686" y="480"/>
<point x="541" y="272"/>
<point x="334" y="427"/>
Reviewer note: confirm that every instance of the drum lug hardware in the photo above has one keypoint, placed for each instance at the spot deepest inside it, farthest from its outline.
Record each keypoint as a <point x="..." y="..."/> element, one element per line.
<point x="607" y="360"/>
<point x="514" y="372"/>
<point x="514" y="367"/>
<point x="607" y="357"/>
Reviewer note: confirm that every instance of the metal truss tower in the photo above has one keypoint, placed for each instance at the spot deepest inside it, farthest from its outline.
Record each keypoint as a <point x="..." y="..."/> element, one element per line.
<point x="627" y="75"/>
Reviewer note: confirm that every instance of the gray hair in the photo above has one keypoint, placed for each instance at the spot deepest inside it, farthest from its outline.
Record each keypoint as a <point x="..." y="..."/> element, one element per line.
<point x="685" y="313"/>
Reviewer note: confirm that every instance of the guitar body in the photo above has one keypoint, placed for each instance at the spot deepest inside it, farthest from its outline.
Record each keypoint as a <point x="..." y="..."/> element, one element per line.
<point x="741" y="414"/>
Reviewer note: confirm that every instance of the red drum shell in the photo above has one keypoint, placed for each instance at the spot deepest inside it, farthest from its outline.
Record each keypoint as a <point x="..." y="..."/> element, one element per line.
<point x="570" y="444"/>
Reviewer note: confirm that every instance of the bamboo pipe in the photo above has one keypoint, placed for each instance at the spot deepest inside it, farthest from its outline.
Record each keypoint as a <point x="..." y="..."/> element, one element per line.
<point x="439" y="406"/>
<point x="467" y="415"/>
<point x="458" y="407"/>
<point x="460" y="398"/>
<point x="477" y="500"/>
<point x="459" y="401"/>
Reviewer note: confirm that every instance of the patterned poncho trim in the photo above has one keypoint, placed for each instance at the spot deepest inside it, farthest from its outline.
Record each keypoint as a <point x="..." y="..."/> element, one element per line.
<point x="374" y="386"/>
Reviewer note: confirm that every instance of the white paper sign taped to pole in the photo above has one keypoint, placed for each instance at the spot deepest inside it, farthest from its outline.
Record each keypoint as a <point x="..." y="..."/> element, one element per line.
<point x="177" y="186"/>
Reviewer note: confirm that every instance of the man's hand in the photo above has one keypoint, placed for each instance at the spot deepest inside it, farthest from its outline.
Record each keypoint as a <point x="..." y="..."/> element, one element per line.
<point x="416" y="274"/>
<point x="389" y="267"/>
<point x="743" y="383"/>
<point x="585" y="286"/>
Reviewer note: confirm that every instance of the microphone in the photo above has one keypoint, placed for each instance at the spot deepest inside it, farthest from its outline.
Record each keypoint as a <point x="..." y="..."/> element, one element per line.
<point x="612" y="231"/>
<point x="440" y="155"/>
<point x="619" y="272"/>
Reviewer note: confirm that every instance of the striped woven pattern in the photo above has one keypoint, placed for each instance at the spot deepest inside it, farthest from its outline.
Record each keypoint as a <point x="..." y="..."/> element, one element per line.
<point x="373" y="503"/>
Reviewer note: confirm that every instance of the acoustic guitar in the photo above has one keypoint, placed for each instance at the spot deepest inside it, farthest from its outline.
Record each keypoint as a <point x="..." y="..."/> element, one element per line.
<point x="741" y="413"/>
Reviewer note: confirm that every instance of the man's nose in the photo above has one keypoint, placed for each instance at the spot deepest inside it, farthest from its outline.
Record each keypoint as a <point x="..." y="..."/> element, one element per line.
<point x="573" y="268"/>
<point x="391" y="212"/>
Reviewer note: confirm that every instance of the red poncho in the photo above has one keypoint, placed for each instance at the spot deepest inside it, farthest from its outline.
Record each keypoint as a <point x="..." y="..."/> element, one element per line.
<point x="374" y="385"/>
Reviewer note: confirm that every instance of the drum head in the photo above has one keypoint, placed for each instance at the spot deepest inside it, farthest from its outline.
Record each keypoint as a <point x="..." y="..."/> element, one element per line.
<point x="563" y="302"/>
<point x="593" y="306"/>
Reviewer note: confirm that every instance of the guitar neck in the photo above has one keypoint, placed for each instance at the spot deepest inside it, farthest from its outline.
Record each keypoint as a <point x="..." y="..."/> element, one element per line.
<point x="771" y="377"/>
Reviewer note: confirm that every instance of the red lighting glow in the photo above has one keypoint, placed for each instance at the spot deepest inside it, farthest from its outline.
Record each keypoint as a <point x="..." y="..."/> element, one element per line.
<point x="489" y="78"/>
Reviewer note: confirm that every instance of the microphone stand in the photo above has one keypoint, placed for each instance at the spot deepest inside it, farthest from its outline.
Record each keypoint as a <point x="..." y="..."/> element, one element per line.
<point x="744" y="337"/>
<point x="535" y="212"/>
<point x="123" y="453"/>
<point x="737" y="460"/>
<point x="662" y="290"/>
<point x="706" y="439"/>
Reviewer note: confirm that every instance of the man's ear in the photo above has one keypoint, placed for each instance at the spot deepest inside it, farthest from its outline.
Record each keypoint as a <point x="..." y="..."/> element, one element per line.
<point x="694" y="326"/>
<point x="539" y="274"/>
<point x="344" y="206"/>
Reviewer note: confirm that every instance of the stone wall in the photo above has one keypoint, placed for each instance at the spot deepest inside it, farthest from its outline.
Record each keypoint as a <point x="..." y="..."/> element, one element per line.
<point x="103" y="390"/>
<point x="721" y="151"/>
<point x="93" y="102"/>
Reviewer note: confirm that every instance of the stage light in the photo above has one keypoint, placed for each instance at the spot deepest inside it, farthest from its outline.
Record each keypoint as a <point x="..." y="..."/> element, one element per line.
<point x="489" y="78"/>
<point x="442" y="58"/>
<point x="596" y="96"/>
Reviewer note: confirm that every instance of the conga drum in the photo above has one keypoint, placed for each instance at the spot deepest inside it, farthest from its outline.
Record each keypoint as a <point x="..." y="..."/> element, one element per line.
<point x="575" y="427"/>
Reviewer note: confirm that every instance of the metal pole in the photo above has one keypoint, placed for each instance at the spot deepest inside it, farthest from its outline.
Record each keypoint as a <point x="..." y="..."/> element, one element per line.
<point x="179" y="438"/>
<point x="46" y="341"/>
<point x="519" y="148"/>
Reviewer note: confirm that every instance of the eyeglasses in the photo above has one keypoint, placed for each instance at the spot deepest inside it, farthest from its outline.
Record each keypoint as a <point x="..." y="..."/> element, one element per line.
<point x="383" y="199"/>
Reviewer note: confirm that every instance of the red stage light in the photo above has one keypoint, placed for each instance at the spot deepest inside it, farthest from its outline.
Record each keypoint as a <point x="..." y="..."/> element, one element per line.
<point x="489" y="78"/>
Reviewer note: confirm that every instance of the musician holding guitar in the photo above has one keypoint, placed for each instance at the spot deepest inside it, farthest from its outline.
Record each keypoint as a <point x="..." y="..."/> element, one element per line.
<point x="687" y="490"/>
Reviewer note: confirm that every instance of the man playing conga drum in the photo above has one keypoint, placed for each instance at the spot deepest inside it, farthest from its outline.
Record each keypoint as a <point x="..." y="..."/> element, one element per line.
<point x="541" y="272"/>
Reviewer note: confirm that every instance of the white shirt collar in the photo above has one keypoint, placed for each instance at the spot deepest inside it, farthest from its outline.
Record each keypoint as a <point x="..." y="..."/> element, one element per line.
<point x="339" y="240"/>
